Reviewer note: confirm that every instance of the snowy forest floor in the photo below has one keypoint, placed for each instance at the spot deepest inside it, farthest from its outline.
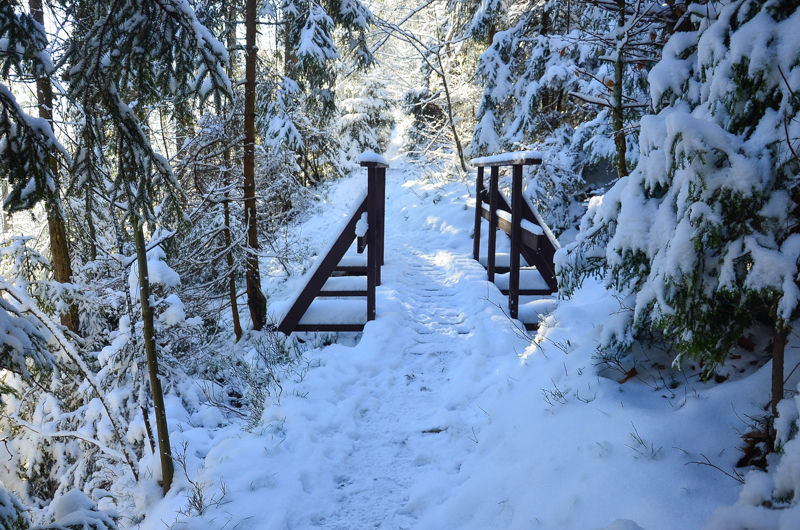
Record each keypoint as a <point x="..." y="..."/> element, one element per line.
<point x="443" y="415"/>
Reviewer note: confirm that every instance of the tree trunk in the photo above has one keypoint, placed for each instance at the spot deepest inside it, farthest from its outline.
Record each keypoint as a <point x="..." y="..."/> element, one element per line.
<point x="778" y="349"/>
<point x="450" y="116"/>
<point x="165" y="451"/>
<point x="255" y="298"/>
<point x="289" y="56"/>
<point x="129" y="303"/>
<point x="617" y="111"/>
<point x="90" y="224"/>
<point x="237" y="325"/>
<point x="59" y="247"/>
<point x="62" y="270"/>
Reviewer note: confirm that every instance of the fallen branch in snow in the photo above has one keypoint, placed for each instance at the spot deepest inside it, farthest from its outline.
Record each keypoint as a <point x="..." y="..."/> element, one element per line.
<point x="475" y="436"/>
<point x="738" y="477"/>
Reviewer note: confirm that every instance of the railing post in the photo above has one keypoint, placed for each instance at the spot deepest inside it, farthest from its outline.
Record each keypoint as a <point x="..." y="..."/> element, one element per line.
<point x="381" y="217"/>
<point x="516" y="240"/>
<point x="476" y="243"/>
<point x="372" y="239"/>
<point x="376" y="210"/>
<point x="493" y="191"/>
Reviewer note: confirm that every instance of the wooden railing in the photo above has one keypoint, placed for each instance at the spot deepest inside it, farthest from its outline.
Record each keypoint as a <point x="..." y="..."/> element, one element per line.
<point x="531" y="239"/>
<point x="373" y="204"/>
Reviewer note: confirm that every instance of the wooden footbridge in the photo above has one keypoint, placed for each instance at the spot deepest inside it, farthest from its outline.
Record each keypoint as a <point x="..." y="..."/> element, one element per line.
<point x="339" y="294"/>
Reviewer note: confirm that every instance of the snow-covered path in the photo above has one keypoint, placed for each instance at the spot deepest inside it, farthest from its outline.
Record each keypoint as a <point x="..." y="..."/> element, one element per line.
<point x="382" y="456"/>
<point x="441" y="415"/>
<point x="434" y="297"/>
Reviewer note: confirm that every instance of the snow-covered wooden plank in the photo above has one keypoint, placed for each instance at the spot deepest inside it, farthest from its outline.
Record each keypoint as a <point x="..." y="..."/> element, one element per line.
<point x="502" y="260"/>
<point x="335" y="312"/>
<point x="530" y="232"/>
<point x="529" y="280"/>
<point x="345" y="284"/>
<point x="353" y="260"/>
<point x="546" y="229"/>
<point x="526" y="225"/>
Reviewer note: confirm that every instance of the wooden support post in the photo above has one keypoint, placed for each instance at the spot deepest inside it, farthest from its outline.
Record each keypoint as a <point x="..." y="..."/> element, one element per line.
<point x="372" y="240"/>
<point x="493" y="191"/>
<point x="476" y="237"/>
<point x="516" y="241"/>
<point x="381" y="218"/>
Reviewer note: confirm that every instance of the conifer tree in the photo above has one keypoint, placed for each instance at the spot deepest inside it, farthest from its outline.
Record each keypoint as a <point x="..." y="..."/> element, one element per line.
<point x="31" y="153"/>
<point x="366" y="121"/>
<point x="139" y="52"/>
<point x="527" y="74"/>
<point x="702" y="236"/>
<point x="59" y="248"/>
<point x="255" y="298"/>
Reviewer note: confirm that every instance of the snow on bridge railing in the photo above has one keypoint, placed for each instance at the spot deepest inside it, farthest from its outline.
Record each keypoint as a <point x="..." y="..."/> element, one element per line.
<point x="522" y="158"/>
<point x="530" y="237"/>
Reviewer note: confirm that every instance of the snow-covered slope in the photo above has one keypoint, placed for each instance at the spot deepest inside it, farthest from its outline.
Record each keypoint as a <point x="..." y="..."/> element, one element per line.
<point x="444" y="415"/>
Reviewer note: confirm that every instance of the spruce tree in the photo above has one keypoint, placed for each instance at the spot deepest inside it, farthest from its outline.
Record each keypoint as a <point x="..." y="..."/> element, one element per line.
<point x="135" y="54"/>
<point x="703" y="234"/>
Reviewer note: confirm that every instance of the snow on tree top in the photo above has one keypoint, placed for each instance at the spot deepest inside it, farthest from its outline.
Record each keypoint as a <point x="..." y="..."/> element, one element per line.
<point x="508" y="159"/>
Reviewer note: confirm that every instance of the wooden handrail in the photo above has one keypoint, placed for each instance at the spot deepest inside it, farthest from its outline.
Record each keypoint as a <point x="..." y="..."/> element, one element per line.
<point x="373" y="204"/>
<point x="516" y="158"/>
<point x="537" y="250"/>
<point x="322" y="272"/>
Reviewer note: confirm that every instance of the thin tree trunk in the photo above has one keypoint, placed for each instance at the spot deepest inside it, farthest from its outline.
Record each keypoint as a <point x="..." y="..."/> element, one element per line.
<point x="164" y="130"/>
<point x="237" y="325"/>
<point x="617" y="111"/>
<point x="778" y="349"/>
<point x="255" y="298"/>
<point x="545" y="100"/>
<point x="59" y="246"/>
<point x="289" y="56"/>
<point x="140" y="394"/>
<point x="90" y="224"/>
<point x="450" y="115"/>
<point x="165" y="451"/>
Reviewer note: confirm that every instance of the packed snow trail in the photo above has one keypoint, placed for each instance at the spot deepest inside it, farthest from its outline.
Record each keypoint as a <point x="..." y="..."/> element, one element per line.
<point x="440" y="415"/>
<point x="434" y="336"/>
<point x="431" y="302"/>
